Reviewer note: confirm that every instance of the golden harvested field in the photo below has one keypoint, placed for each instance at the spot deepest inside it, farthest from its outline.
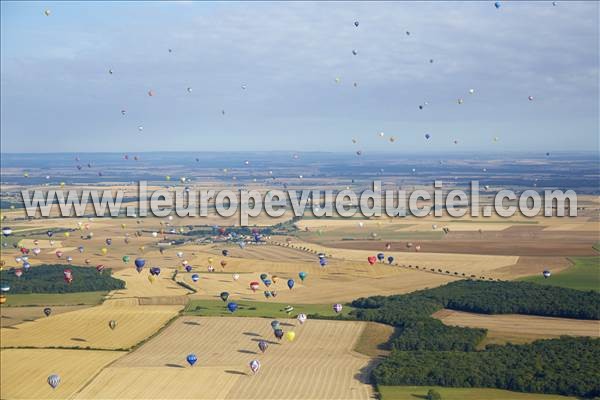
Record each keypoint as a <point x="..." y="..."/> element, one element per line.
<point x="89" y="327"/>
<point x="25" y="371"/>
<point x="15" y="315"/>
<point x="319" y="364"/>
<point x="519" y="328"/>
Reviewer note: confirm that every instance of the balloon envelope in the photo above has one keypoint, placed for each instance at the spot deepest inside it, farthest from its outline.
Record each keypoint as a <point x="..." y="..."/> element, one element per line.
<point x="191" y="359"/>
<point x="232" y="307"/>
<point x="290" y="283"/>
<point x="53" y="381"/>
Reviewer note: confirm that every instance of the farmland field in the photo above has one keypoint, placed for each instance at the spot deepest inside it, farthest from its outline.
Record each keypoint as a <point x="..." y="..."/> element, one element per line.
<point x="516" y="328"/>
<point x="89" y="327"/>
<point x="211" y="308"/>
<point x="29" y="369"/>
<point x="318" y="364"/>
<point x="584" y="274"/>
<point x="419" y="392"/>
<point x="50" y="299"/>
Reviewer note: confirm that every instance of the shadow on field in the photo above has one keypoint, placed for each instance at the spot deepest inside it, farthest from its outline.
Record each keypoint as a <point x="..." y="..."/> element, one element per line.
<point x="364" y="374"/>
<point x="247" y="352"/>
<point x="229" y="371"/>
<point x="250" y="334"/>
<point x="174" y="366"/>
<point x="76" y="339"/>
<point x="268" y="341"/>
<point x="192" y="323"/>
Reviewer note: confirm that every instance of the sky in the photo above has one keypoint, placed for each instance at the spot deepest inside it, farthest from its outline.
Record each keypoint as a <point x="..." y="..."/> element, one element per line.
<point x="57" y="94"/>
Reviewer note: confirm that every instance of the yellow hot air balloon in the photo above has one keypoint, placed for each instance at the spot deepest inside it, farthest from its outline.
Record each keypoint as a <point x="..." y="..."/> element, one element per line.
<point x="2" y="299"/>
<point x="67" y="234"/>
<point x="123" y="226"/>
<point x="290" y="336"/>
<point x="210" y="260"/>
<point x="142" y="248"/>
<point x="151" y="278"/>
<point x="168" y="177"/>
<point x="104" y="250"/>
<point x="62" y="184"/>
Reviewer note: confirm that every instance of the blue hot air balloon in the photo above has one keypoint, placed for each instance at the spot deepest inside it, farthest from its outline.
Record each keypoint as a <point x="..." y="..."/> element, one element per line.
<point x="275" y="324"/>
<point x="191" y="359"/>
<point x="139" y="264"/>
<point x="323" y="261"/>
<point x="290" y="283"/>
<point x="188" y="268"/>
<point x="232" y="307"/>
<point x="390" y="259"/>
<point x="497" y="4"/>
<point x="195" y="277"/>
<point x="267" y="282"/>
<point x="302" y="275"/>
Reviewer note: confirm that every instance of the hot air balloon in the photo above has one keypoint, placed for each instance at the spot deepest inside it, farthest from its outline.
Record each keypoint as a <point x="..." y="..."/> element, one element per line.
<point x="139" y="264"/>
<point x="6" y="232"/>
<point x="337" y="308"/>
<point x="112" y="324"/>
<point x="354" y="52"/>
<point x="188" y="268"/>
<point x="323" y="262"/>
<point x="232" y="306"/>
<point x="372" y="259"/>
<point x="224" y="296"/>
<point x="47" y="13"/>
<point x="4" y="287"/>
<point x="290" y="283"/>
<point x="262" y="345"/>
<point x="155" y="271"/>
<point x="254" y="366"/>
<point x="356" y="24"/>
<point x="36" y="250"/>
<point x="151" y="278"/>
<point x="179" y="254"/>
<point x="223" y="263"/>
<point x="104" y="250"/>
<point x="302" y="275"/>
<point x="530" y="98"/>
<point x="225" y="253"/>
<point x="288" y="309"/>
<point x="80" y="249"/>
<point x="59" y="253"/>
<point x="263" y="277"/>
<point x="390" y="259"/>
<point x="108" y="241"/>
<point x="191" y="359"/>
<point x="301" y="318"/>
<point x="53" y="381"/>
<point x="290" y="336"/>
<point x="497" y="4"/>
<point x="254" y="286"/>
<point x="380" y="257"/>
<point x="275" y="324"/>
<point x="427" y="136"/>
<point x="195" y="277"/>
<point x="547" y="274"/>
<point x="235" y="277"/>
<point x="47" y="311"/>
<point x="125" y="259"/>
<point x="278" y="333"/>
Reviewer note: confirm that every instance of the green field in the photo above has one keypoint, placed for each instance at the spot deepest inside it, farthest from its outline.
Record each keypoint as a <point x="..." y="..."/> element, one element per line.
<point x="54" y="299"/>
<point x="419" y="392"/>
<point x="583" y="275"/>
<point x="216" y="308"/>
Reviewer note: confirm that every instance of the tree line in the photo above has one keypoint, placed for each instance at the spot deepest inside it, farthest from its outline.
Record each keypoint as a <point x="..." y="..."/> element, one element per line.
<point x="50" y="279"/>
<point x="427" y="352"/>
